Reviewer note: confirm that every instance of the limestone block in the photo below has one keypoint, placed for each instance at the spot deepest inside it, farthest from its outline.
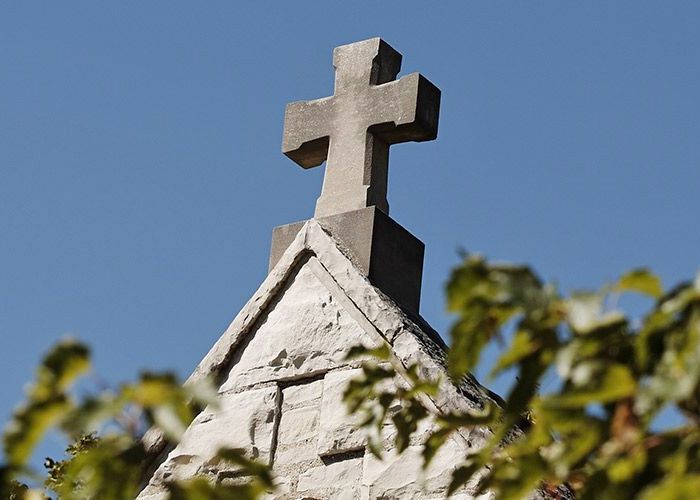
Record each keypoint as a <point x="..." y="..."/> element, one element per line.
<point x="282" y="487"/>
<point x="389" y="432"/>
<point x="244" y="420"/>
<point x="393" y="477"/>
<point x="296" y="441"/>
<point x="305" y="331"/>
<point x="303" y="394"/>
<point x="339" y="432"/>
<point x="402" y="476"/>
<point x="157" y="496"/>
<point x="337" y="480"/>
<point x="298" y="425"/>
<point x="298" y="429"/>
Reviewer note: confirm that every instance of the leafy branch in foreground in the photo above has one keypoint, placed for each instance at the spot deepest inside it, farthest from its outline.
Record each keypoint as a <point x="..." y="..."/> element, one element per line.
<point x="106" y="457"/>
<point x="597" y="432"/>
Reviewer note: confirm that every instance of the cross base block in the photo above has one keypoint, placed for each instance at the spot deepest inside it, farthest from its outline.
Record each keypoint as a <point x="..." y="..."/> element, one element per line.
<point x="389" y="255"/>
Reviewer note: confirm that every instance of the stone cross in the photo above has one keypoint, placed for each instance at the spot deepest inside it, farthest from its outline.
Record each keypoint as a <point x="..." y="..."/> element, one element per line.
<point x="353" y="129"/>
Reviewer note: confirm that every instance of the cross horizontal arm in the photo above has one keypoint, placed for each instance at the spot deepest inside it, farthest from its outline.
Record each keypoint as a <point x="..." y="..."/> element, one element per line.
<point x="306" y="131"/>
<point x="406" y="110"/>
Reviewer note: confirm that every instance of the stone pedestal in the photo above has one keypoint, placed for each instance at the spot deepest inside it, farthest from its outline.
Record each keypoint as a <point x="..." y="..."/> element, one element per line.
<point x="390" y="256"/>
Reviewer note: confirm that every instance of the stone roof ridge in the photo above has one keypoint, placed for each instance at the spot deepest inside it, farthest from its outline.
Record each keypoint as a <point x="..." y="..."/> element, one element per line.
<point x="430" y="339"/>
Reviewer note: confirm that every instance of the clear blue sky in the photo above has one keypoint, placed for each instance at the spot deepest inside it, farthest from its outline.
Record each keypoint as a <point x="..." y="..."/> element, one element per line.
<point x="141" y="171"/>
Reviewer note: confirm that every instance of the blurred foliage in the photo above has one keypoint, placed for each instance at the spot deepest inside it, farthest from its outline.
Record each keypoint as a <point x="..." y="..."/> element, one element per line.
<point x="597" y="434"/>
<point x="106" y="458"/>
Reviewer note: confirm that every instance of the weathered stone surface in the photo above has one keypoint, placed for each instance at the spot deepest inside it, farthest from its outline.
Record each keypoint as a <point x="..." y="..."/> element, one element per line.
<point x="157" y="496"/>
<point x="338" y="432"/>
<point x="306" y="393"/>
<point x="304" y="332"/>
<point x="211" y="429"/>
<point x="338" y="480"/>
<point x="402" y="476"/>
<point x="298" y="426"/>
<point x="244" y="420"/>
<point x="381" y="315"/>
<point x="396" y="476"/>
<point x="353" y="129"/>
<point x="389" y="255"/>
<point x="297" y="436"/>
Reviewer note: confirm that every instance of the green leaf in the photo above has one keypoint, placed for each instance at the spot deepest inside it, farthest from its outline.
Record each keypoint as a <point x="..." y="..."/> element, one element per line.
<point x="677" y="373"/>
<point x="515" y="481"/>
<point x="256" y="470"/>
<point x="462" y="474"/>
<point x="433" y="444"/>
<point x="488" y="415"/>
<point x="616" y="382"/>
<point x="11" y="489"/>
<point x="110" y="468"/>
<point x="381" y="352"/>
<point x="522" y="345"/>
<point x="167" y="419"/>
<point x="624" y="468"/>
<point x="28" y="426"/>
<point x="640" y="280"/>
<point x="67" y="360"/>
<point x="203" y="392"/>
<point x="47" y="401"/>
<point x="199" y="488"/>
<point x="469" y="337"/>
<point x="585" y="313"/>
<point x="674" y="488"/>
<point x="564" y="438"/>
<point x="153" y="390"/>
<point x="89" y="415"/>
<point x="486" y="297"/>
<point x="477" y="281"/>
<point x="406" y="421"/>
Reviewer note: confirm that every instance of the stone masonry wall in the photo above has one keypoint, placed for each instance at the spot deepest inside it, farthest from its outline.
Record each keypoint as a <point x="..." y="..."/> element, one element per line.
<point x="282" y="401"/>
